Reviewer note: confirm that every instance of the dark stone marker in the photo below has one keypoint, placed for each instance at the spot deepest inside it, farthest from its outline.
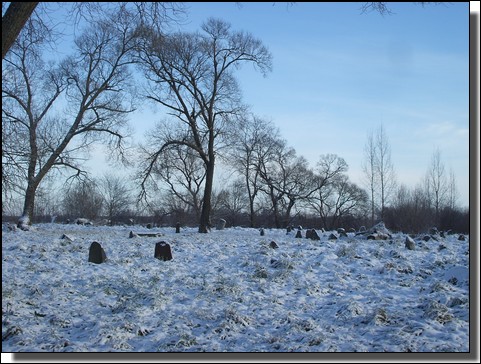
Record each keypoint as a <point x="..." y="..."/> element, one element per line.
<point x="308" y="234"/>
<point x="162" y="251"/>
<point x="96" y="253"/>
<point x="273" y="245"/>
<point x="298" y="234"/>
<point x="262" y="232"/>
<point x="221" y="224"/>
<point x="334" y="237"/>
<point x="177" y="228"/>
<point x="131" y="235"/>
<point x="314" y="235"/>
<point x="462" y="237"/>
<point x="409" y="243"/>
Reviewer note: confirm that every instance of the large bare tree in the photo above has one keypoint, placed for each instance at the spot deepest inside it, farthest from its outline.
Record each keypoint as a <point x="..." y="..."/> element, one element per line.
<point x="192" y="77"/>
<point x="93" y="84"/>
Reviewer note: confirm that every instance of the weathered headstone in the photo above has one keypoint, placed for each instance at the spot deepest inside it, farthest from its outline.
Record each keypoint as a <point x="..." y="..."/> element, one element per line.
<point x="132" y="235"/>
<point x="96" y="253"/>
<point x="461" y="237"/>
<point x="66" y="237"/>
<point x="314" y="235"/>
<point x="162" y="251"/>
<point x="332" y="237"/>
<point x="308" y="233"/>
<point x="409" y="243"/>
<point x="221" y="224"/>
<point x="262" y="232"/>
<point x="149" y="226"/>
<point x="273" y="245"/>
<point x="298" y="234"/>
<point x="177" y="228"/>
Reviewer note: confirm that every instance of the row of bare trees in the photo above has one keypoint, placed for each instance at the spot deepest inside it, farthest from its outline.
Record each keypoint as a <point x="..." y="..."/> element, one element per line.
<point x="277" y="179"/>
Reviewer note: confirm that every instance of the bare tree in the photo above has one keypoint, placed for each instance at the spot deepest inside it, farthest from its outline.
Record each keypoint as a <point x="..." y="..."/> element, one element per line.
<point x="437" y="184"/>
<point x="16" y="14"/>
<point x="180" y="174"/>
<point x="384" y="169"/>
<point x="328" y="174"/>
<point x="383" y="8"/>
<point x="83" y="200"/>
<point x="347" y="200"/>
<point x="369" y="170"/>
<point x="13" y="21"/>
<point x="251" y="143"/>
<point x="117" y="198"/>
<point x="285" y="179"/>
<point x="378" y="171"/>
<point x="452" y="198"/>
<point x="191" y="76"/>
<point x="230" y="202"/>
<point x="95" y="84"/>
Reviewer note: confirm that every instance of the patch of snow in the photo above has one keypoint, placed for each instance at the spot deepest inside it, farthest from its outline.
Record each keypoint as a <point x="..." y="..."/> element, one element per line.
<point x="228" y="290"/>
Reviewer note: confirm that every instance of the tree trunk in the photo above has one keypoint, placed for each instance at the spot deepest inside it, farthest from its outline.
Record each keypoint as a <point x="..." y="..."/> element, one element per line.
<point x="205" y="224"/>
<point x="251" y="203"/>
<point x="13" y="21"/>
<point x="29" y="205"/>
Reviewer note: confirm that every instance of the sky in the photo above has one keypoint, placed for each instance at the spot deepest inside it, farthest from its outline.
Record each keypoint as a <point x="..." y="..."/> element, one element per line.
<point x="339" y="75"/>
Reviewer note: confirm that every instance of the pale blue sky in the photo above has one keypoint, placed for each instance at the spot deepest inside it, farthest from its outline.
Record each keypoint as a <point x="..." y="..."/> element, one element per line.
<point x="338" y="74"/>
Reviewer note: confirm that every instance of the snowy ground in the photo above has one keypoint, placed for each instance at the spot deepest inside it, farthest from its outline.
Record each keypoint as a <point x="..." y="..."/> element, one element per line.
<point x="230" y="291"/>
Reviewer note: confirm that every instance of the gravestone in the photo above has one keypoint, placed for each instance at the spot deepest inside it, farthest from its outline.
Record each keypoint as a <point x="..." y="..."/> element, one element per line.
<point x="298" y="234"/>
<point x="177" y="228"/>
<point x="262" y="232"/>
<point x="409" y="243"/>
<point x="308" y="234"/>
<point x="96" y="253"/>
<point x="162" y="251"/>
<point x="221" y="224"/>
<point x="314" y="235"/>
<point x="273" y="245"/>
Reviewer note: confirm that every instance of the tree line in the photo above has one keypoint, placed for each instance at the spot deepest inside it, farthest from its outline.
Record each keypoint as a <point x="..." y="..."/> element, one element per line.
<point x="53" y="111"/>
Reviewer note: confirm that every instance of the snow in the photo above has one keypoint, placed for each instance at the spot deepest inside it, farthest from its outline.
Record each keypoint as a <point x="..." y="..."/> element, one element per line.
<point x="229" y="291"/>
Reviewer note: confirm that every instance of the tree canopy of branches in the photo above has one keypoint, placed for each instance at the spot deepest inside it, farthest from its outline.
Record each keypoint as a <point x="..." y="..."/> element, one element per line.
<point x="13" y="21"/>
<point x="192" y="76"/>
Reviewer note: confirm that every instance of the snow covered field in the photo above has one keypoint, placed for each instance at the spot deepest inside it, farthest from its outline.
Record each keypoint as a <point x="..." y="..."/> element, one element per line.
<point x="229" y="290"/>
